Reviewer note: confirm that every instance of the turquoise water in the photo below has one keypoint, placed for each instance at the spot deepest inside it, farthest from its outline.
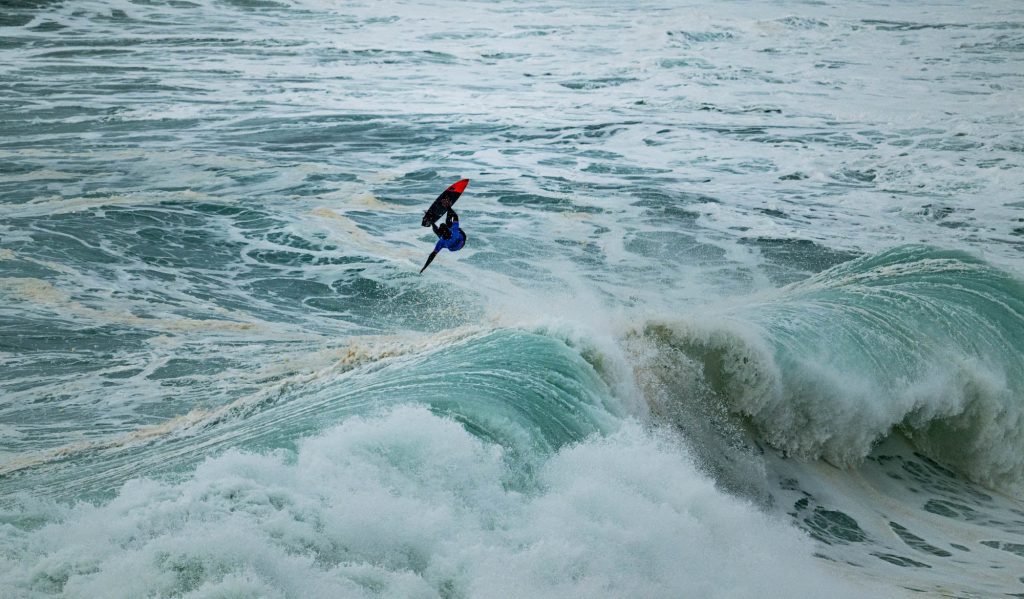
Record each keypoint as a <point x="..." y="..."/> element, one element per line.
<point x="742" y="313"/>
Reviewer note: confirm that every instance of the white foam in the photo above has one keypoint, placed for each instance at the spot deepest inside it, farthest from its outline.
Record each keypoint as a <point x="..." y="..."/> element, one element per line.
<point x="410" y="504"/>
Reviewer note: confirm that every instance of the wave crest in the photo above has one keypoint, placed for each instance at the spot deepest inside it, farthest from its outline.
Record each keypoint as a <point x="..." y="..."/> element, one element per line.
<point x="926" y="341"/>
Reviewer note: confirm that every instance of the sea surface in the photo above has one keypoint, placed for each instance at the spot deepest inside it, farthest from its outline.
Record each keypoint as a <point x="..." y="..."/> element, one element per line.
<point x="741" y="313"/>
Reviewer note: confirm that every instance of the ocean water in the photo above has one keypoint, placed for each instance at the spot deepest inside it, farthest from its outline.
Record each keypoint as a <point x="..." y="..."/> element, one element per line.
<point x="741" y="314"/>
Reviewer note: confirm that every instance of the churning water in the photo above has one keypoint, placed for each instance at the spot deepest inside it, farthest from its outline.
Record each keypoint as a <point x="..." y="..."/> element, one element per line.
<point x="741" y="314"/>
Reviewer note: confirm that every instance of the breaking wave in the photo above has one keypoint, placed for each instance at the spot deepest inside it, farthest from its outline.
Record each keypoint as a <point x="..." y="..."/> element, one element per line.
<point x="925" y="341"/>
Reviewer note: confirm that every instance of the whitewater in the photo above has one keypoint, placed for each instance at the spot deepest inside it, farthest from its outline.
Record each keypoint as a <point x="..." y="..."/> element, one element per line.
<point x="741" y="313"/>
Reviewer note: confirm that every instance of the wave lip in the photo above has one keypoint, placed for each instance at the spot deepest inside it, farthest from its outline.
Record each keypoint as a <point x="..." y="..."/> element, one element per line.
<point x="919" y="339"/>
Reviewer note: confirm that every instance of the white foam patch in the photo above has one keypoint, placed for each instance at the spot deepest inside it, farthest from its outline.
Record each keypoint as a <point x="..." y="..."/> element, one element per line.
<point x="410" y="504"/>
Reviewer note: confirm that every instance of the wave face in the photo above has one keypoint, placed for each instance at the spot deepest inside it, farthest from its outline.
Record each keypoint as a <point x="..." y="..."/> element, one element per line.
<point x="925" y="341"/>
<point x="526" y="391"/>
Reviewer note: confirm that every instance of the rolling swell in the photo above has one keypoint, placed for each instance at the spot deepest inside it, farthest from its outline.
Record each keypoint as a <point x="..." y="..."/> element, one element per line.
<point x="925" y="341"/>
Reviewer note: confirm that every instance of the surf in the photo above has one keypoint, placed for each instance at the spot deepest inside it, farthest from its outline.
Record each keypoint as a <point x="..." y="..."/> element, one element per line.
<point x="920" y="341"/>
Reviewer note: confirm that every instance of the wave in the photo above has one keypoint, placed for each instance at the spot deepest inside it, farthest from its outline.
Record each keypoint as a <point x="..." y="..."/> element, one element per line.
<point x="411" y="504"/>
<point x="530" y="392"/>
<point x="377" y="475"/>
<point x="924" y="341"/>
